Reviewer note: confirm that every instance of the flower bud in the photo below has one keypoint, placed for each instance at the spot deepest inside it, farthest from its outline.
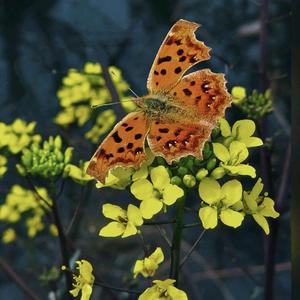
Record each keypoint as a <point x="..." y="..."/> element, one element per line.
<point x="176" y="180"/>
<point x="182" y="171"/>
<point x="218" y="173"/>
<point x="201" y="174"/>
<point x="68" y="154"/>
<point x="58" y="142"/>
<point x="189" y="180"/>
<point x="211" y="164"/>
<point x="206" y="151"/>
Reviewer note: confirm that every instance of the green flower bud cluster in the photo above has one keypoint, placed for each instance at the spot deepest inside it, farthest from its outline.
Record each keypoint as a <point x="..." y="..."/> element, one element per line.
<point x="256" y="105"/>
<point x="46" y="160"/>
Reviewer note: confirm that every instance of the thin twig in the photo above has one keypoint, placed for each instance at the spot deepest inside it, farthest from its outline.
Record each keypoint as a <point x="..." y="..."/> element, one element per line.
<point x="192" y="249"/>
<point x="18" y="280"/>
<point x="77" y="209"/>
<point x="110" y="287"/>
<point x="164" y="235"/>
<point x="192" y="225"/>
<point x="160" y="222"/>
<point x="145" y="248"/>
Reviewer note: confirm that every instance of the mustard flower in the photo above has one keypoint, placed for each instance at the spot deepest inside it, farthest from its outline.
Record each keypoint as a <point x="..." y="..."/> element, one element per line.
<point x="148" y="266"/>
<point x="17" y="135"/>
<point x="232" y="158"/>
<point x="163" y="289"/>
<point x="8" y="236"/>
<point x="78" y="173"/>
<point x="260" y="207"/>
<point x="83" y="282"/>
<point x="241" y="131"/>
<point x="124" y="223"/>
<point x="156" y="194"/>
<point x="118" y="178"/>
<point x="3" y="168"/>
<point x="220" y="202"/>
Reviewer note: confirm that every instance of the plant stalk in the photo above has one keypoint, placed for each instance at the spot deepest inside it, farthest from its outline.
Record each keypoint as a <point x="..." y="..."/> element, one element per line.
<point x="176" y="243"/>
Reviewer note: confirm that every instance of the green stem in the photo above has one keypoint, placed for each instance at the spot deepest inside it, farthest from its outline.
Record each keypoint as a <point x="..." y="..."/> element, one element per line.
<point x="176" y="243"/>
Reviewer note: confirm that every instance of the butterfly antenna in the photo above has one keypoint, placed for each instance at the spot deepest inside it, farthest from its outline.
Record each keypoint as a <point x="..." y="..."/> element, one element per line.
<point x="133" y="92"/>
<point x="111" y="104"/>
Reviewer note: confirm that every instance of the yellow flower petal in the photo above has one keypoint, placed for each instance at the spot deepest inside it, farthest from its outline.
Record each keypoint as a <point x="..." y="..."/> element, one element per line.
<point x="268" y="208"/>
<point x="251" y="141"/>
<point x="209" y="217"/>
<point x="221" y="152"/>
<point x="238" y="152"/>
<point x="129" y="230"/>
<point x="262" y="222"/>
<point x="176" y="294"/>
<point x="113" y="211"/>
<point x="210" y="190"/>
<point x="224" y="127"/>
<point x="112" y="229"/>
<point x="141" y="189"/>
<point x="150" y="207"/>
<point x="159" y="177"/>
<point x="233" y="192"/>
<point x="243" y="128"/>
<point x="157" y="256"/>
<point x="134" y="215"/>
<point x="171" y="193"/>
<point x="231" y="218"/>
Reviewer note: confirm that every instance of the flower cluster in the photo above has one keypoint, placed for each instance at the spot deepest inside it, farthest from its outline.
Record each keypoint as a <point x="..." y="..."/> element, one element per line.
<point x="83" y="89"/>
<point x="45" y="160"/>
<point x="21" y="202"/>
<point x="157" y="185"/>
<point x="254" y="106"/>
<point x="16" y="136"/>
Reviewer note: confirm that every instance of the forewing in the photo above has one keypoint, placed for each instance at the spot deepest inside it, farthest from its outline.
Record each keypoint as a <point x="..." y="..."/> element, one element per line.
<point x="124" y="146"/>
<point x="179" y="51"/>
<point x="175" y="140"/>
<point x="204" y="93"/>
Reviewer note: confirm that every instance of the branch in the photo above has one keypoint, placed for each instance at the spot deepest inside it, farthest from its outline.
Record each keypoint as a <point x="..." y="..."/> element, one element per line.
<point x="18" y="280"/>
<point x="110" y="287"/>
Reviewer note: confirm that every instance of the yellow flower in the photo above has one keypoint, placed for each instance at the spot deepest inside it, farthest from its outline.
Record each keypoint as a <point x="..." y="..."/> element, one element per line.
<point x="156" y="194"/>
<point x="3" y="168"/>
<point x="78" y="174"/>
<point x="260" y="207"/>
<point x="84" y="280"/>
<point x="163" y="289"/>
<point x="148" y="266"/>
<point x="232" y="158"/>
<point x="124" y="223"/>
<point x="220" y="202"/>
<point x="241" y="131"/>
<point x="8" y="236"/>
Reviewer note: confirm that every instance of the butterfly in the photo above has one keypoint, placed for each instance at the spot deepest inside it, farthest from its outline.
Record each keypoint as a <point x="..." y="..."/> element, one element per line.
<point x="177" y="116"/>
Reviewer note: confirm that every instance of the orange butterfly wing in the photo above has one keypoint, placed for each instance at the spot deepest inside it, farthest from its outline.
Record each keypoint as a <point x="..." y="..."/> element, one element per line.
<point x="179" y="51"/>
<point x="204" y="93"/>
<point x="124" y="146"/>
<point x="175" y="140"/>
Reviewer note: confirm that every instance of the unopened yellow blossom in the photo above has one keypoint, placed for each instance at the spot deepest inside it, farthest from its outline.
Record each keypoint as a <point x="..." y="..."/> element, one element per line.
<point x="238" y="93"/>
<point x="78" y="173"/>
<point x="164" y="290"/>
<point x="148" y="266"/>
<point x="83" y="282"/>
<point x="125" y="223"/>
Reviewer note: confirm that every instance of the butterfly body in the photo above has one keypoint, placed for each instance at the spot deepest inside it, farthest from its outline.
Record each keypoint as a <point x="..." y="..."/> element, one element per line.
<point x="177" y="116"/>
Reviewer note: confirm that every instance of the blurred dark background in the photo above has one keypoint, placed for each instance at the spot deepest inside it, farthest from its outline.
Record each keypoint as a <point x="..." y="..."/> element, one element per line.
<point x="41" y="40"/>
